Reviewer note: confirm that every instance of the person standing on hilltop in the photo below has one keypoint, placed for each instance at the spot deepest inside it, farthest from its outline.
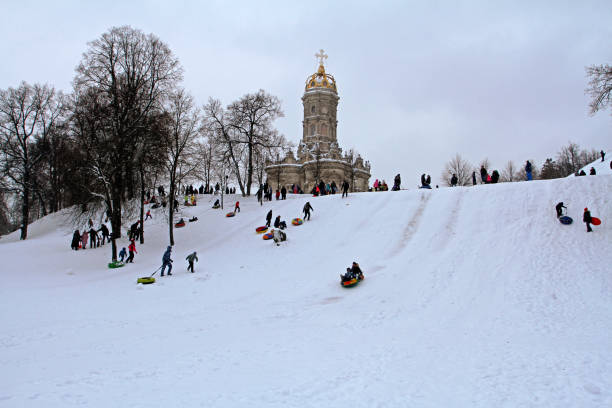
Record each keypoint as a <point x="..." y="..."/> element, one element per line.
<point x="483" y="174"/>
<point x="528" y="169"/>
<point x="603" y="155"/>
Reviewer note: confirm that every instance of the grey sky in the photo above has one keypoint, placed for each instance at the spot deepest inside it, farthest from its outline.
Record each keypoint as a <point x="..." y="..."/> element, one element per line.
<point x="418" y="81"/>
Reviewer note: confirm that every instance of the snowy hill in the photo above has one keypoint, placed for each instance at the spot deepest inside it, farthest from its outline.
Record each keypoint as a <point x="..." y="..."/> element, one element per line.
<point x="473" y="297"/>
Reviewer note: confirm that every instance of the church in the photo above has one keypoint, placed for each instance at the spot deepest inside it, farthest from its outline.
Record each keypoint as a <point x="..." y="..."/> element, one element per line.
<point x="319" y="158"/>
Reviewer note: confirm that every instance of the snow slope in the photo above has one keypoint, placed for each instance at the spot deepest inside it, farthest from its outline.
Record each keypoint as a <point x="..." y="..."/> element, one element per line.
<point x="474" y="297"/>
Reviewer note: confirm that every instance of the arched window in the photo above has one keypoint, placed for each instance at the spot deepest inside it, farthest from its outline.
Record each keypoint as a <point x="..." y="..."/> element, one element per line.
<point x="313" y="109"/>
<point x="324" y="130"/>
<point x="313" y="128"/>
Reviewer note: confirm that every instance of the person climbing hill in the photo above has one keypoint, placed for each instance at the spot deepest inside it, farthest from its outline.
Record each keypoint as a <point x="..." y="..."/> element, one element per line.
<point x="132" y="250"/>
<point x="586" y="217"/>
<point x="307" y="209"/>
<point x="190" y="258"/>
<point x="269" y="218"/>
<point x="166" y="261"/>
<point x="559" y="207"/>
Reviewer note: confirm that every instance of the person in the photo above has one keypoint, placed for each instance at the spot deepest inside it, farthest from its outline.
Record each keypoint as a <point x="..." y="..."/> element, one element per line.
<point x="148" y="215"/>
<point x="592" y="172"/>
<point x="483" y="174"/>
<point x="559" y="207"/>
<point x="190" y="258"/>
<point x="260" y="194"/>
<point x="216" y="204"/>
<point x="528" y="171"/>
<point x="586" y="217"/>
<point x="166" y="261"/>
<point x="474" y="178"/>
<point x="603" y="155"/>
<point x="193" y="219"/>
<point x="94" y="240"/>
<point x="454" y="180"/>
<point x="76" y="237"/>
<point x="105" y="234"/>
<point x="279" y="236"/>
<point x="345" y="188"/>
<point x="283" y="193"/>
<point x="353" y="272"/>
<point x="122" y="254"/>
<point x="237" y="207"/>
<point x="268" y="218"/>
<point x="396" y="183"/>
<point x="494" y="177"/>
<point x="307" y="209"/>
<point x="277" y="194"/>
<point x="279" y="224"/>
<point x="84" y="238"/>
<point x="181" y="221"/>
<point x="423" y="182"/>
<point x="582" y="173"/>
<point x="376" y="185"/>
<point x="134" y="230"/>
<point x="132" y="249"/>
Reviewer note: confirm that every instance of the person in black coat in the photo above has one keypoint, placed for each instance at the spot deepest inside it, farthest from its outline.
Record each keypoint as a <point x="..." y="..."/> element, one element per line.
<point x="307" y="209"/>
<point x="105" y="234"/>
<point x="269" y="218"/>
<point x="76" y="238"/>
<point x="603" y="155"/>
<point x="592" y="172"/>
<point x="454" y="180"/>
<point x="494" y="176"/>
<point x="283" y="193"/>
<point x="586" y="217"/>
<point x="345" y="188"/>
<point x="559" y="207"/>
<point x="474" y="178"/>
<point x="483" y="174"/>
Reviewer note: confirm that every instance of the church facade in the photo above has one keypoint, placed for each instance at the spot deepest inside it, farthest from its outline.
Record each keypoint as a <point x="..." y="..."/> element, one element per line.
<point x="319" y="157"/>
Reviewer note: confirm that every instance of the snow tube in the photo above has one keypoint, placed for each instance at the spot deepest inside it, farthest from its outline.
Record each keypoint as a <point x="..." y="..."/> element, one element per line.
<point x="350" y="283"/>
<point x="179" y="224"/>
<point x="297" y="221"/>
<point x="268" y="236"/>
<point x="230" y="214"/>
<point x="116" y="264"/>
<point x="595" y="221"/>
<point x="566" y="220"/>
<point x="261" y="230"/>
<point x="146" y="280"/>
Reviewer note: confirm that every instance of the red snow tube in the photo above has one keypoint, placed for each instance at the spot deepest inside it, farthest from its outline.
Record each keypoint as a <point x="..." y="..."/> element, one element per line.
<point x="261" y="230"/>
<point x="297" y="221"/>
<point x="268" y="236"/>
<point x="230" y="214"/>
<point x="179" y="224"/>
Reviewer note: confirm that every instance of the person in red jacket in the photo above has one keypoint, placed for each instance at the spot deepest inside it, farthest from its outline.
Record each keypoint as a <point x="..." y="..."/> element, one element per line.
<point x="586" y="217"/>
<point x="132" y="249"/>
<point x="237" y="207"/>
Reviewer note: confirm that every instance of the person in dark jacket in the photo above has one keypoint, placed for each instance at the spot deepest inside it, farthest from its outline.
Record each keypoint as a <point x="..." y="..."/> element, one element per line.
<point x="132" y="250"/>
<point x="345" y="188"/>
<point x="483" y="174"/>
<point x="134" y="230"/>
<point x="353" y="272"/>
<point x="283" y="193"/>
<point x="603" y="155"/>
<point x="494" y="177"/>
<point x="474" y="178"/>
<point x="307" y="209"/>
<point x="94" y="240"/>
<point x="76" y="238"/>
<point x="592" y="172"/>
<point x="122" y="254"/>
<point x="559" y="207"/>
<point x="454" y="180"/>
<point x="268" y="218"/>
<point x="279" y="224"/>
<point x="166" y="261"/>
<point x="105" y="233"/>
<point x="190" y="258"/>
<point x="528" y="171"/>
<point x="586" y="217"/>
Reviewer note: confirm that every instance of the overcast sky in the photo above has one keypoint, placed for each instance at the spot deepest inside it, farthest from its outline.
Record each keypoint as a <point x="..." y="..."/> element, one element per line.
<point x="418" y="81"/>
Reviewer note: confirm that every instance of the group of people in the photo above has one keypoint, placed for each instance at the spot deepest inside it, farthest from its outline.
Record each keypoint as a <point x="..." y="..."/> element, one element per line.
<point x="90" y="236"/>
<point x="586" y="215"/>
<point x="380" y="185"/>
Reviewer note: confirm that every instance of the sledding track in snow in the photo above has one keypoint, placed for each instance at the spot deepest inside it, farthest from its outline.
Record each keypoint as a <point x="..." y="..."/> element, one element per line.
<point x="473" y="297"/>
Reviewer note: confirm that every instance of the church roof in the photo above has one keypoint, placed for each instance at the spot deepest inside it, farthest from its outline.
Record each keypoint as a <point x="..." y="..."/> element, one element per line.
<point x="321" y="79"/>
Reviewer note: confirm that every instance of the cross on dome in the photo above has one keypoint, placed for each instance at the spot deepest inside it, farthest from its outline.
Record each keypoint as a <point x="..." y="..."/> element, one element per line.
<point x="321" y="56"/>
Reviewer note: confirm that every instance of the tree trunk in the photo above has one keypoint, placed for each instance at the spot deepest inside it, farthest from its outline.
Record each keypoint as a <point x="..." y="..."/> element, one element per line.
<point x="250" y="170"/>
<point x="142" y="199"/>
<point x="25" y="208"/>
<point x="171" y="206"/>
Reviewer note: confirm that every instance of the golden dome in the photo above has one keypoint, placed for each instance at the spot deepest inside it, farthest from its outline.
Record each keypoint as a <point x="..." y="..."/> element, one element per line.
<point x="321" y="80"/>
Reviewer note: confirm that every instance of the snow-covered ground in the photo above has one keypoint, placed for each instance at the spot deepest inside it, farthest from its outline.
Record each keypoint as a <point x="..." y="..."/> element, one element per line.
<point x="473" y="297"/>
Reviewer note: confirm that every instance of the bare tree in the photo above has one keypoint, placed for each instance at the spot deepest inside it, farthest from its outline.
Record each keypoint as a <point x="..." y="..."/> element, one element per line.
<point x="600" y="87"/>
<point x="510" y="173"/>
<point x="124" y="76"/>
<point x="460" y="167"/>
<point x="181" y="163"/>
<point x="28" y="115"/>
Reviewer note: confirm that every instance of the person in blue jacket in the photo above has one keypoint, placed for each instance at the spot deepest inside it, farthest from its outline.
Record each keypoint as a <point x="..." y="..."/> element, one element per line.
<point x="166" y="261"/>
<point x="122" y="254"/>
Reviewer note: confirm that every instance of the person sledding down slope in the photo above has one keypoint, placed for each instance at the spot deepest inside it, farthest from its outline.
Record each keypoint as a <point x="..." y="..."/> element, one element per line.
<point x="353" y="272"/>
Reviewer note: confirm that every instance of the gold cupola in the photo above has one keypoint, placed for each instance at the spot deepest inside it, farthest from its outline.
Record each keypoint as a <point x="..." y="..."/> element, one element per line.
<point x="320" y="79"/>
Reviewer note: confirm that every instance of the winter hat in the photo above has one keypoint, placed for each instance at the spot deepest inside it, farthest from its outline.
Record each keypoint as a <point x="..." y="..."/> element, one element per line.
<point x="586" y="209"/>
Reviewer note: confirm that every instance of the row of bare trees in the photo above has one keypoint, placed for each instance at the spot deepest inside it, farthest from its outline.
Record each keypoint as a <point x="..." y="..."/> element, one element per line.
<point x="568" y="161"/>
<point x="126" y="127"/>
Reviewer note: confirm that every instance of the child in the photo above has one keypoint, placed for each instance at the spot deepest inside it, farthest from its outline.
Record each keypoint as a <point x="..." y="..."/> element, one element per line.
<point x="190" y="258"/>
<point x="237" y="207"/>
<point x="132" y="249"/>
<point x="122" y="254"/>
<point x="148" y="215"/>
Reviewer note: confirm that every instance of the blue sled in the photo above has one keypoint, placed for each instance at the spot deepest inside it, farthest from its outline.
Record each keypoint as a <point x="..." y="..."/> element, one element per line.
<point x="565" y="220"/>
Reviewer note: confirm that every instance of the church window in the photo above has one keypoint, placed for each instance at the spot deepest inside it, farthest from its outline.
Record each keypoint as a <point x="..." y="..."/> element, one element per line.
<point x="324" y="130"/>
<point x="312" y="129"/>
<point x="312" y="109"/>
